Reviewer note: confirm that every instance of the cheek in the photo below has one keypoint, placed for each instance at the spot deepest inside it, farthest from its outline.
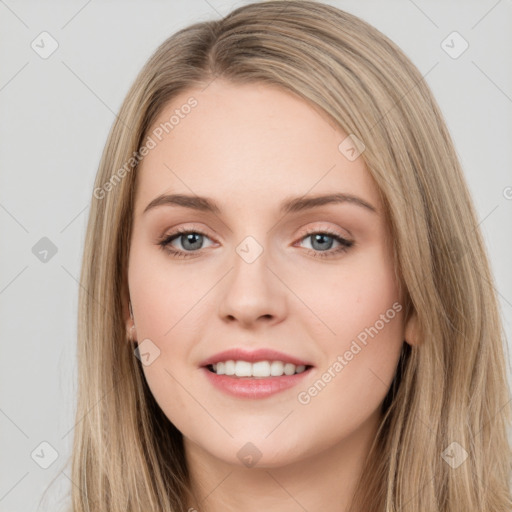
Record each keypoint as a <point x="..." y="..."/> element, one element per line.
<point x="355" y="378"/>
<point x="165" y="299"/>
<point x="350" y="296"/>
<point x="161" y="293"/>
<point x="360" y="305"/>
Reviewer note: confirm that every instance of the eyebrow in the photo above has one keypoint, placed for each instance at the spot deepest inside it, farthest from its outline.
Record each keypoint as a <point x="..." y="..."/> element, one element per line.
<point x="292" y="205"/>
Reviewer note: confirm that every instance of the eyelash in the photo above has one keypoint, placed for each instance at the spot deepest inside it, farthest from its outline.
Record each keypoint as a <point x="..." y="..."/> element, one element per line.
<point x="345" y="244"/>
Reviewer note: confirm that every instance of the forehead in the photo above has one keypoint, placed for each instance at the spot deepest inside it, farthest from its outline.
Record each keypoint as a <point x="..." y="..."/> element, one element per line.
<point x="247" y="145"/>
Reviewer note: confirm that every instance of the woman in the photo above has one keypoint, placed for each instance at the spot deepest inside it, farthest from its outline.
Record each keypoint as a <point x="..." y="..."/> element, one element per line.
<point x="228" y="358"/>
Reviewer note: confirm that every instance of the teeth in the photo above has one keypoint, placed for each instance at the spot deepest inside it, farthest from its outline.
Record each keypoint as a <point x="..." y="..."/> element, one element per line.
<point x="259" y="369"/>
<point x="229" y="367"/>
<point x="243" y="369"/>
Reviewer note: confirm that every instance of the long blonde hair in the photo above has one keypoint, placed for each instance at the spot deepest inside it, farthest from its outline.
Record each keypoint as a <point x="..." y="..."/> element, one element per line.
<point x="450" y="388"/>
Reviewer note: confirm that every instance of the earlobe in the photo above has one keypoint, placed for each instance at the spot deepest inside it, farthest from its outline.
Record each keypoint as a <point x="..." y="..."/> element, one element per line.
<point x="131" y="334"/>
<point x="412" y="330"/>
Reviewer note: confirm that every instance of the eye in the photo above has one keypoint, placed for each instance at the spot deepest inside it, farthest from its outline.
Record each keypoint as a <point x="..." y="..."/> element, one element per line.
<point x="322" y="242"/>
<point x="190" y="239"/>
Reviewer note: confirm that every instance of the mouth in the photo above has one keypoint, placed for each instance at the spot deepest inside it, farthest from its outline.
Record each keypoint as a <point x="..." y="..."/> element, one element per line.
<point x="256" y="370"/>
<point x="254" y="380"/>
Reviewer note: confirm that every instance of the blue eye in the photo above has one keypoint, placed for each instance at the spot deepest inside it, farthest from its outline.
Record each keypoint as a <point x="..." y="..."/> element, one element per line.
<point x="192" y="241"/>
<point x="322" y="242"/>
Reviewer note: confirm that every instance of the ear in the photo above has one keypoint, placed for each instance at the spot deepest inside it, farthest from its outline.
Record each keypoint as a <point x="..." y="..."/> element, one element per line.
<point x="412" y="330"/>
<point x="131" y="334"/>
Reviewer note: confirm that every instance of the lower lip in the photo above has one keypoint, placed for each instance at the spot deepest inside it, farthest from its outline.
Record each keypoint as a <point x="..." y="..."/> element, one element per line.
<point x="250" y="387"/>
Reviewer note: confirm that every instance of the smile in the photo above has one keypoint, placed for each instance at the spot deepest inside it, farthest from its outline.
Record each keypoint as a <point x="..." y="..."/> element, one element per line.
<point x="258" y="369"/>
<point x="254" y="380"/>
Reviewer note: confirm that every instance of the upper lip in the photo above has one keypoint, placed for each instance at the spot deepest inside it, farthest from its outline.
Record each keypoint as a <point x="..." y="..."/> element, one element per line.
<point x="261" y="354"/>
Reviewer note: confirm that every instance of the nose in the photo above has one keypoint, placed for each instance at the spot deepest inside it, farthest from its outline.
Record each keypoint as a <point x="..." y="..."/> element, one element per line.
<point x="253" y="293"/>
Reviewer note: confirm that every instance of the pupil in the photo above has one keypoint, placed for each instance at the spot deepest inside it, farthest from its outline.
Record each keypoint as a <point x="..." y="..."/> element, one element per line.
<point x="189" y="238"/>
<point x="320" y="237"/>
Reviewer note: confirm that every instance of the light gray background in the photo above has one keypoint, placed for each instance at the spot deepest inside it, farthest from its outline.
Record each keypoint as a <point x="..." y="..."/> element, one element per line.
<point x="55" y="116"/>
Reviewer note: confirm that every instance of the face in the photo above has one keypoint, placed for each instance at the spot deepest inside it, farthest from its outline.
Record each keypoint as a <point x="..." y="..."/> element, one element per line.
<point x="250" y="263"/>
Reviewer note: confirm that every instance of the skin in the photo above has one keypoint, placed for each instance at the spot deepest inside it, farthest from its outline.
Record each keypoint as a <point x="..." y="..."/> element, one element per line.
<point x="249" y="147"/>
